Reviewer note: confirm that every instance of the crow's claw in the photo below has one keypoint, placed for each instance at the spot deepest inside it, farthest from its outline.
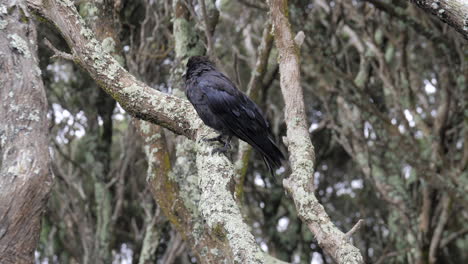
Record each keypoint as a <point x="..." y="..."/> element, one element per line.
<point x="218" y="138"/>
<point x="223" y="149"/>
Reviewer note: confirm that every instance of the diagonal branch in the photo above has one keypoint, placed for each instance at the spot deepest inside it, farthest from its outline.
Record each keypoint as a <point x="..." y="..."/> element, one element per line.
<point x="135" y="97"/>
<point x="452" y="12"/>
<point x="300" y="184"/>
<point x="399" y="13"/>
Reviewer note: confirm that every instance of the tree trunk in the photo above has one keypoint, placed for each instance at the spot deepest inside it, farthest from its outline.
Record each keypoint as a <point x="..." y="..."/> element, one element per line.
<point x="25" y="179"/>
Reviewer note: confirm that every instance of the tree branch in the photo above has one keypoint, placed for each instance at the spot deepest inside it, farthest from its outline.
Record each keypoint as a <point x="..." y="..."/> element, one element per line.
<point x="134" y="96"/>
<point x="218" y="206"/>
<point x="300" y="184"/>
<point x="438" y="232"/>
<point x="399" y="13"/>
<point x="58" y="53"/>
<point x="452" y="12"/>
<point x="355" y="228"/>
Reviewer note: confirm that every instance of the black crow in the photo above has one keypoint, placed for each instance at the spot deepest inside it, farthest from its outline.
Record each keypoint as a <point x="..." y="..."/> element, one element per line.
<point x="226" y="109"/>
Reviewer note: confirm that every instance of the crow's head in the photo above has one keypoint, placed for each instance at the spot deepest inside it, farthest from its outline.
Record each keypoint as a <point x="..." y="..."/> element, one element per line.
<point x="196" y="61"/>
<point x="197" y="65"/>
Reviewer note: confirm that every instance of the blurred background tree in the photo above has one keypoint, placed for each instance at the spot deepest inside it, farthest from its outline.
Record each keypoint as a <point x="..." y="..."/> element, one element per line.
<point x="385" y="93"/>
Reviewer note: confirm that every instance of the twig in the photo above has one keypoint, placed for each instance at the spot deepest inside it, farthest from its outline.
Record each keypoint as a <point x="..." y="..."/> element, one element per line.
<point x="436" y="238"/>
<point x="452" y="237"/>
<point x="207" y="26"/>
<point x="58" y="53"/>
<point x="355" y="228"/>
<point x="253" y="5"/>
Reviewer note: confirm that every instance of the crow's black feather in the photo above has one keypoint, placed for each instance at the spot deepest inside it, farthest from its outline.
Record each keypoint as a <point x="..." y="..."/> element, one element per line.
<point x="225" y="108"/>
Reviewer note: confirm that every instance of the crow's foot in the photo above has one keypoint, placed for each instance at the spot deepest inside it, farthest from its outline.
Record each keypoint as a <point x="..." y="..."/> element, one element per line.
<point x="218" y="138"/>
<point x="223" y="149"/>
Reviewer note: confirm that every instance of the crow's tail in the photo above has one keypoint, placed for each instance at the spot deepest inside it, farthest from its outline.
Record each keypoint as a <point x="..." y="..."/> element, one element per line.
<point x="272" y="155"/>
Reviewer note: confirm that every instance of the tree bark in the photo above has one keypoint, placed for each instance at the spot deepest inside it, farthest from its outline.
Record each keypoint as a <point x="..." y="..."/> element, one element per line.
<point x="25" y="178"/>
<point x="452" y="12"/>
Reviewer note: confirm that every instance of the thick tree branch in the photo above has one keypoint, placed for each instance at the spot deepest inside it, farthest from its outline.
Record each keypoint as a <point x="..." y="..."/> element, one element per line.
<point x="401" y="14"/>
<point x="300" y="184"/>
<point x="168" y="196"/>
<point x="452" y="12"/>
<point x="218" y="206"/>
<point x="134" y="96"/>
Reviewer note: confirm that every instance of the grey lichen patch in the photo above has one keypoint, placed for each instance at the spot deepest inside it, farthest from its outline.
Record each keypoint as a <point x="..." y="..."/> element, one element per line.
<point x="108" y="45"/>
<point x="86" y="32"/>
<point x="66" y="3"/>
<point x="3" y="24"/>
<point x="103" y="62"/>
<point x="131" y="91"/>
<point x="167" y="105"/>
<point x="14" y="107"/>
<point x="34" y="116"/>
<point x="3" y="139"/>
<point x="37" y="70"/>
<point x="22" y="165"/>
<point x="145" y="127"/>
<point x="152" y="160"/>
<point x="184" y="172"/>
<point x="3" y="10"/>
<point x="89" y="10"/>
<point x="187" y="39"/>
<point x="153" y="137"/>
<point x="19" y="44"/>
<point x="112" y="69"/>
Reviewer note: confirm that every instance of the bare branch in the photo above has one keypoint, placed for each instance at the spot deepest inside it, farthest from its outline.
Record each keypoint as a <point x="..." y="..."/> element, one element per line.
<point x="207" y="26"/>
<point x="436" y="238"/>
<point x="254" y="4"/>
<point x="452" y="12"/>
<point x="355" y="228"/>
<point x="399" y="13"/>
<point x="58" y="53"/>
<point x="302" y="156"/>
<point x="453" y="237"/>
